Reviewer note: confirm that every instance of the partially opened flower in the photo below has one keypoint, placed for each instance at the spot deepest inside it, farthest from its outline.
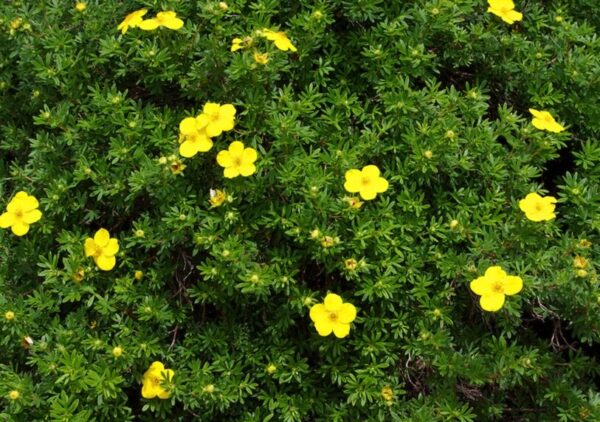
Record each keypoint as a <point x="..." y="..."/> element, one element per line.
<point x="543" y="120"/>
<point x="237" y="160"/>
<point x="167" y="19"/>
<point x="21" y="211"/>
<point x="367" y="182"/>
<point x="216" y="118"/>
<point x="538" y="208"/>
<point x="281" y="40"/>
<point x="493" y="286"/>
<point x="261" y="58"/>
<point x="102" y="248"/>
<point x="132" y="20"/>
<point x="505" y="9"/>
<point x="193" y="140"/>
<point x="333" y="315"/>
<point x="153" y="380"/>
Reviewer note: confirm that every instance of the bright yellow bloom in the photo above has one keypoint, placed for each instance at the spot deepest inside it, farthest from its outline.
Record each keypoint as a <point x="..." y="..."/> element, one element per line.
<point x="194" y="140"/>
<point x="281" y="40"/>
<point x="493" y="286"/>
<point x="217" y="197"/>
<point x="132" y="20"/>
<point x="80" y="6"/>
<point x="366" y="181"/>
<point x="103" y="249"/>
<point x="21" y="211"/>
<point x="261" y="58"/>
<point x="544" y="121"/>
<point x="237" y="160"/>
<point x="166" y="19"/>
<point x="537" y="208"/>
<point x="216" y="119"/>
<point x="333" y="315"/>
<point x="505" y="9"/>
<point x="152" y="379"/>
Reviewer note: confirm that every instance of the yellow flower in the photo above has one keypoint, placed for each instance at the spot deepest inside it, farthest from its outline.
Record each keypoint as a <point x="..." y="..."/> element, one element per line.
<point x="239" y="43"/>
<point x="103" y="249"/>
<point x="217" y="197"/>
<point x="493" y="286"/>
<point x="580" y="262"/>
<point x="177" y="166"/>
<point x="387" y="393"/>
<point x="152" y="379"/>
<point x="223" y="5"/>
<point x="544" y="121"/>
<point x="237" y="160"/>
<point x="9" y="315"/>
<point x="132" y="20"/>
<point x="16" y="23"/>
<point x="261" y="58"/>
<point x="281" y="40"/>
<point x="21" y="211"/>
<point x="138" y="275"/>
<point x="333" y="316"/>
<point x="353" y="202"/>
<point x="271" y="369"/>
<point x="537" y="208"/>
<point x="505" y="9"/>
<point x="216" y="119"/>
<point x="117" y="351"/>
<point x="80" y="6"/>
<point x="350" y="264"/>
<point x="14" y="395"/>
<point x="194" y="140"/>
<point x="166" y="19"/>
<point x="366" y="181"/>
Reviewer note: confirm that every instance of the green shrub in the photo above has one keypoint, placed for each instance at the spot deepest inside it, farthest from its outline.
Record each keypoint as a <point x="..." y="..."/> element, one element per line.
<point x="435" y="93"/>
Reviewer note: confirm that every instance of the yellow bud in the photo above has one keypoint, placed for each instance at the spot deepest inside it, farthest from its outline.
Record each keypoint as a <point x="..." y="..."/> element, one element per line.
<point x="209" y="389"/>
<point x="584" y="243"/>
<point x="454" y="224"/>
<point x="9" y="315"/>
<point x="350" y="264"/>
<point x="14" y="395"/>
<point x="315" y="234"/>
<point x="428" y="154"/>
<point x="117" y="351"/>
<point x="138" y="275"/>
<point x="139" y="233"/>
<point x="271" y="368"/>
<point x="317" y="14"/>
<point x="582" y="273"/>
<point x="327" y="241"/>
<point x="255" y="278"/>
<point x="223" y="5"/>
<point x="162" y="160"/>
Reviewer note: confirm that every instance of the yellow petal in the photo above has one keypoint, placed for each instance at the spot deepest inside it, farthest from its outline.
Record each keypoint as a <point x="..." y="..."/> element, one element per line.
<point x="353" y="180"/>
<point x="512" y="284"/>
<point x="347" y="313"/>
<point x="106" y="263"/>
<point x="480" y="286"/>
<point x="149" y="391"/>
<point x="380" y="185"/>
<point x="535" y="113"/>
<point x="318" y="312"/>
<point x="231" y="172"/>
<point x="249" y="155"/>
<point x="512" y="16"/>
<point x="188" y="126"/>
<point x="157" y="366"/>
<point x="224" y="159"/>
<point x="20" y="228"/>
<point x="324" y="327"/>
<point x="173" y="23"/>
<point x="247" y="169"/>
<point x="491" y="302"/>
<point x="212" y="109"/>
<point x="214" y="129"/>
<point x="370" y="171"/>
<point x="6" y="220"/>
<point x="341" y="330"/>
<point x="29" y="203"/>
<point x="495" y="272"/>
<point x="32" y="216"/>
<point x="332" y="302"/>
<point x="111" y="248"/>
<point x="163" y="394"/>
<point x="204" y="143"/>
<point x="149" y="24"/>
<point x="188" y="149"/>
<point x="202" y="121"/>
<point x="368" y="193"/>
<point x="101" y="237"/>
<point x="89" y="247"/>
<point x="236" y="148"/>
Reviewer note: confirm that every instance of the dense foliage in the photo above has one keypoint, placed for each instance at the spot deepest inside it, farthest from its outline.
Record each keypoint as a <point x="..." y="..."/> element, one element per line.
<point x="434" y="93"/>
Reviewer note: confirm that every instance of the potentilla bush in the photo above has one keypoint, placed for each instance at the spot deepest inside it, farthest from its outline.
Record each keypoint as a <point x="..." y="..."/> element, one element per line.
<point x="299" y="211"/>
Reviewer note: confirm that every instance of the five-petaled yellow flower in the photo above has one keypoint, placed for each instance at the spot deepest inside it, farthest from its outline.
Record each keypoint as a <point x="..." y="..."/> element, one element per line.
<point x="193" y="140"/>
<point x="505" y="9"/>
<point x="152" y="379"/>
<point x="167" y="19"/>
<point x="281" y="40"/>
<point x="333" y="315"/>
<point x="216" y="119"/>
<point x="103" y="249"/>
<point x="538" y="208"/>
<point x="132" y="20"/>
<point x="21" y="211"/>
<point x="237" y="160"/>
<point x="367" y="182"/>
<point x="544" y="121"/>
<point x="494" y="286"/>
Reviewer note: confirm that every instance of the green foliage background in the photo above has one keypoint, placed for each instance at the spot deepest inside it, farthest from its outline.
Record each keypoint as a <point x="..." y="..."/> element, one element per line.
<point x="85" y="113"/>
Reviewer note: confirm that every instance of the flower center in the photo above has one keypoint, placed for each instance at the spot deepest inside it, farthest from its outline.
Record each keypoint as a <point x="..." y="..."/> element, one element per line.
<point x="539" y="207"/>
<point x="19" y="214"/>
<point x="237" y="161"/>
<point x="333" y="316"/>
<point x="155" y="381"/>
<point x="98" y="251"/>
<point x="497" y="287"/>
<point x="366" y="181"/>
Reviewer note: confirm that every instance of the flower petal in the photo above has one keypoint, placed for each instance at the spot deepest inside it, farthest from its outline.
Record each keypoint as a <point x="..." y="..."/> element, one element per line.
<point x="347" y="313"/>
<point x="380" y="185"/>
<point x="149" y="24"/>
<point x="353" y="180"/>
<point x="111" y="248"/>
<point x="495" y="272"/>
<point x="370" y="171"/>
<point x="341" y="330"/>
<point x="6" y="220"/>
<point x="318" y="312"/>
<point x="89" y="247"/>
<point x="173" y="23"/>
<point x="236" y="148"/>
<point x="188" y="149"/>
<point x="491" y="302"/>
<point x="224" y="159"/>
<point x="247" y="169"/>
<point x="149" y="391"/>
<point x="32" y="216"/>
<point x="101" y="237"/>
<point x="333" y="302"/>
<point x="324" y="327"/>
<point x="512" y="285"/>
<point x="249" y="155"/>
<point x="106" y="263"/>
<point x="368" y="194"/>
<point x="480" y="286"/>
<point x="20" y="228"/>
<point x="231" y="172"/>
<point x="188" y="126"/>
